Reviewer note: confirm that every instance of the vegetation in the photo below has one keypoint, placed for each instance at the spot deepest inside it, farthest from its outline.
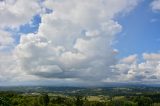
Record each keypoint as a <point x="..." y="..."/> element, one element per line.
<point x="83" y="97"/>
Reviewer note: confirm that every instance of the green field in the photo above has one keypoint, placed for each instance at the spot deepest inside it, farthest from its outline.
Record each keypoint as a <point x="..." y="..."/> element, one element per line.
<point x="48" y="96"/>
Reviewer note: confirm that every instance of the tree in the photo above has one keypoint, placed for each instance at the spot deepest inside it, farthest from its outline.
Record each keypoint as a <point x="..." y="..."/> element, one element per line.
<point x="44" y="99"/>
<point x="144" y="101"/>
<point x="4" y="101"/>
<point x="79" y="101"/>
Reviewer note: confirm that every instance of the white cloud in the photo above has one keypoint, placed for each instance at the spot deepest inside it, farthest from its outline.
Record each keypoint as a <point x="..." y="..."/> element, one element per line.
<point x="6" y="40"/>
<point x="6" y="66"/>
<point x="145" y="71"/>
<point x="14" y="13"/>
<point x="155" y="5"/>
<point x="130" y="59"/>
<point x="152" y="56"/>
<point x="11" y="73"/>
<point x="74" y="41"/>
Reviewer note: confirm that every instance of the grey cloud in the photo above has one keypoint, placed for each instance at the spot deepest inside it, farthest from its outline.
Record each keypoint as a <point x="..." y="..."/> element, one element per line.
<point x="73" y="42"/>
<point x="87" y="55"/>
<point x="146" y="70"/>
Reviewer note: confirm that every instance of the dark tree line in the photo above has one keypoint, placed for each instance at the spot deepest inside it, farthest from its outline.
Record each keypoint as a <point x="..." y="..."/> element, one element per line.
<point x="15" y="99"/>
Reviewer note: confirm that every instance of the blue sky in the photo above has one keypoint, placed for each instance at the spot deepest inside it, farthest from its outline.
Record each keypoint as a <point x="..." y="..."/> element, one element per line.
<point x="141" y="31"/>
<point x="43" y="42"/>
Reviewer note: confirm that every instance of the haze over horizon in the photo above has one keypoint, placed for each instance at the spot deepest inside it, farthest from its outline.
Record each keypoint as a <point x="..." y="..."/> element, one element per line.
<point x="79" y="42"/>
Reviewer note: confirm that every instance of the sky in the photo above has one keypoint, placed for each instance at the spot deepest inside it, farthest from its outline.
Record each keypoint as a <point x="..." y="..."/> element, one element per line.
<point x="79" y="42"/>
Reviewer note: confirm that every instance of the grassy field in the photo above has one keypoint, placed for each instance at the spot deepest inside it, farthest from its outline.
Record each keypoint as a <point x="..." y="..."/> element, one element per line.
<point x="81" y="97"/>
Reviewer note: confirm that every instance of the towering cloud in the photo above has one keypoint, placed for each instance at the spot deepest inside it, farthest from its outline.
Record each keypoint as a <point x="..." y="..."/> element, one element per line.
<point x="74" y="41"/>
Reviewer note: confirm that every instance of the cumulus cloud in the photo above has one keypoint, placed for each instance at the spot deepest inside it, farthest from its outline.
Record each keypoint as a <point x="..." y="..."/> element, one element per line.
<point x="11" y="73"/>
<point x="145" y="71"/>
<point x="155" y="5"/>
<point x="6" y="40"/>
<point x="14" y="13"/>
<point x="74" y="41"/>
<point x="6" y="66"/>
